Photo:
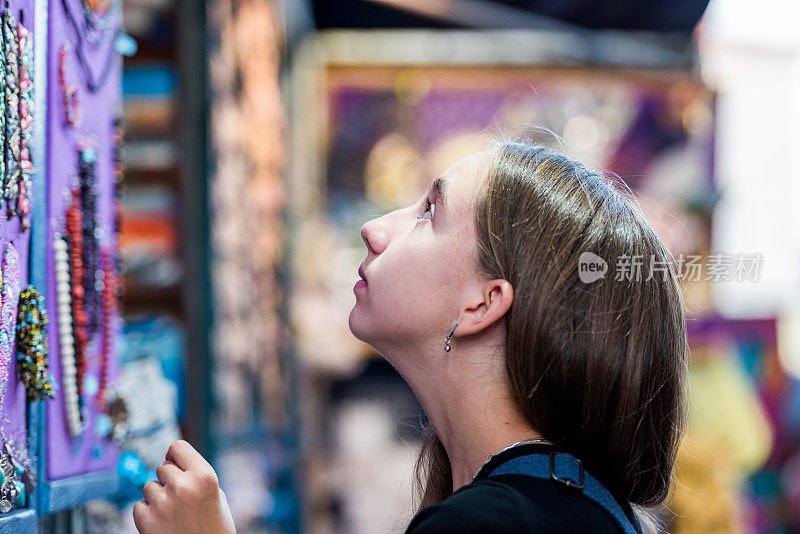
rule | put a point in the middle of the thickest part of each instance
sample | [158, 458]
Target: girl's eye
[428, 213]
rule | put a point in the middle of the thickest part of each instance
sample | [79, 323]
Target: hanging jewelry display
[69, 370]
[109, 309]
[17, 479]
[12, 131]
[87, 158]
[9, 293]
[69, 91]
[26, 110]
[74, 224]
[32, 346]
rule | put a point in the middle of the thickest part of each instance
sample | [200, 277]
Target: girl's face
[420, 261]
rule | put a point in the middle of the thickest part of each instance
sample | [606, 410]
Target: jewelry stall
[60, 271]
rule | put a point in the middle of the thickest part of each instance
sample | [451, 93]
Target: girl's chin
[353, 323]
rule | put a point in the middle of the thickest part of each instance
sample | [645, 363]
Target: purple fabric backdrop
[13, 415]
[68, 456]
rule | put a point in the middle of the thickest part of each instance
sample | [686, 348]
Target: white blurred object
[377, 467]
[152, 403]
[750, 54]
[242, 479]
[789, 340]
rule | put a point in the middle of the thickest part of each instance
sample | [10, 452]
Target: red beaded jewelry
[80, 319]
[109, 309]
[72, 110]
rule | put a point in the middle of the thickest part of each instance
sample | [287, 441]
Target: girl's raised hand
[187, 497]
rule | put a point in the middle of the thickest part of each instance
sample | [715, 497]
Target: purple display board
[13, 416]
[97, 80]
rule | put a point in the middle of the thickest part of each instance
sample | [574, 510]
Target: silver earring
[447, 339]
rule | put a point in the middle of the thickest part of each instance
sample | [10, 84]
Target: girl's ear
[493, 303]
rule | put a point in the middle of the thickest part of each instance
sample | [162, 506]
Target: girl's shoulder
[516, 504]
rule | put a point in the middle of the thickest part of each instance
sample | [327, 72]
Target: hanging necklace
[93, 82]
[523, 442]
[99, 16]
[3, 82]
[109, 302]
[118, 138]
[8, 314]
[12, 126]
[69, 91]
[66, 336]
[6, 349]
[74, 225]
[87, 158]
[26, 108]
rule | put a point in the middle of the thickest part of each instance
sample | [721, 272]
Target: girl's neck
[471, 411]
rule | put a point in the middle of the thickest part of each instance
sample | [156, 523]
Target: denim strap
[567, 471]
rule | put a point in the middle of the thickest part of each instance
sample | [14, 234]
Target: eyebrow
[437, 186]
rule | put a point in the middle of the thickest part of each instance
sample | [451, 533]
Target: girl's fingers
[141, 516]
[187, 458]
[152, 491]
[167, 471]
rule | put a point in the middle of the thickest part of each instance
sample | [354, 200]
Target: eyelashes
[429, 207]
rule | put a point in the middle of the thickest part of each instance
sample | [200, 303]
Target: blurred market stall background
[261, 134]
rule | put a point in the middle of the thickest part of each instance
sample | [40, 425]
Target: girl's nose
[375, 236]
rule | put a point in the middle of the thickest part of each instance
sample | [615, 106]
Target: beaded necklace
[12, 126]
[87, 158]
[109, 308]
[26, 109]
[66, 337]
[5, 356]
[94, 82]
[99, 15]
[8, 314]
[118, 138]
[3, 72]
[72, 110]
[74, 224]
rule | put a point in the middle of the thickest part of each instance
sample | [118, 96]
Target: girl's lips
[361, 273]
[359, 284]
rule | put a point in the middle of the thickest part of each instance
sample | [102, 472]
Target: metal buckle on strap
[570, 484]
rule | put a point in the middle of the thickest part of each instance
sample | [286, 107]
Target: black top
[516, 504]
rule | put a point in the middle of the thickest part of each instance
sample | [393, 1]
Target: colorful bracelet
[32, 345]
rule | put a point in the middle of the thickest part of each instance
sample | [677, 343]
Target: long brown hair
[597, 368]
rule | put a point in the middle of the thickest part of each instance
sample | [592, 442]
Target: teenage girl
[553, 386]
